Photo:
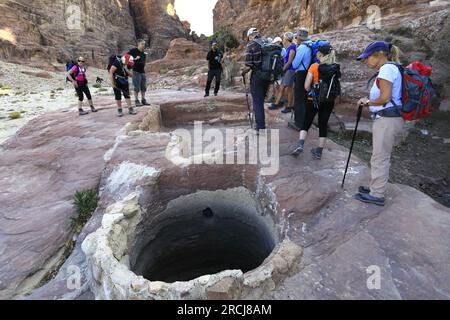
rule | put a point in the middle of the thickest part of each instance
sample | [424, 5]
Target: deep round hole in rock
[202, 234]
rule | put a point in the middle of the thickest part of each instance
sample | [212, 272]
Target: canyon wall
[157, 21]
[274, 16]
[32, 31]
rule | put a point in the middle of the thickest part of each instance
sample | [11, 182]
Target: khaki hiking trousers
[387, 133]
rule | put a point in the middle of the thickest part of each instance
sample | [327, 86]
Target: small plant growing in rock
[15, 115]
[163, 71]
[60, 89]
[97, 85]
[85, 203]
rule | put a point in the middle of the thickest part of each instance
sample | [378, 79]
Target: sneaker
[137, 103]
[364, 190]
[274, 106]
[82, 112]
[316, 153]
[367, 198]
[299, 150]
[93, 109]
[132, 112]
[286, 110]
[120, 114]
[145, 103]
[206, 96]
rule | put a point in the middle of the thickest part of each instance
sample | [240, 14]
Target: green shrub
[15, 115]
[225, 37]
[85, 203]
[163, 70]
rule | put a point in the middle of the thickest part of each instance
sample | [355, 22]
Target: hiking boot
[286, 110]
[137, 103]
[364, 190]
[145, 103]
[132, 112]
[274, 106]
[206, 95]
[82, 112]
[299, 150]
[215, 94]
[367, 198]
[93, 109]
[317, 153]
[120, 113]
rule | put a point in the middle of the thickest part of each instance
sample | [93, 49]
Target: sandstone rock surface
[341, 237]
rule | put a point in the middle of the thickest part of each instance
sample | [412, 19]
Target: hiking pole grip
[358, 119]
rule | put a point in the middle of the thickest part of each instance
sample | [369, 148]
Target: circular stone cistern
[206, 245]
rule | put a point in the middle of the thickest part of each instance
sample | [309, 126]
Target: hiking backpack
[314, 46]
[329, 86]
[417, 91]
[272, 61]
[112, 59]
[69, 65]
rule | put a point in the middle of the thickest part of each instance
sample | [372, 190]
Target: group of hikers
[120, 68]
[310, 78]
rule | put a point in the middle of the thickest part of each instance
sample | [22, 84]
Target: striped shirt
[253, 55]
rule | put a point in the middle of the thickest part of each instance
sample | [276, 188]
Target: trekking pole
[358, 119]
[250, 113]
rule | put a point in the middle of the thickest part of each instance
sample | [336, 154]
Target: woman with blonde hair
[77, 75]
[385, 103]
[327, 70]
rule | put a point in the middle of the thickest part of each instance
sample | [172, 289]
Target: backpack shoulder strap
[371, 79]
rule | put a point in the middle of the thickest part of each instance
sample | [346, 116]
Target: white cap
[277, 39]
[251, 31]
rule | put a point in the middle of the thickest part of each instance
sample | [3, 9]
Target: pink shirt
[81, 76]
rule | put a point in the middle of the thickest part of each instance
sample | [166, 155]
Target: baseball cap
[374, 47]
[325, 49]
[277, 39]
[251, 31]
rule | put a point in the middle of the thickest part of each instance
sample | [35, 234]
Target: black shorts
[122, 89]
[81, 90]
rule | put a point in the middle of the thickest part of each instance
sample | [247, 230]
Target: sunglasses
[81, 61]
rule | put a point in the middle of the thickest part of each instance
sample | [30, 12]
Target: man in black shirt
[214, 58]
[139, 77]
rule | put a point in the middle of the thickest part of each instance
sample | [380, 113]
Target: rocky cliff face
[54, 31]
[275, 16]
[157, 21]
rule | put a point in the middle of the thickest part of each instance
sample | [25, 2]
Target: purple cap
[374, 47]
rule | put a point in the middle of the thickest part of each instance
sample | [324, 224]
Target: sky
[198, 13]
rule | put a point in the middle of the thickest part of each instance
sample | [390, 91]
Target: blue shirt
[303, 55]
[288, 52]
